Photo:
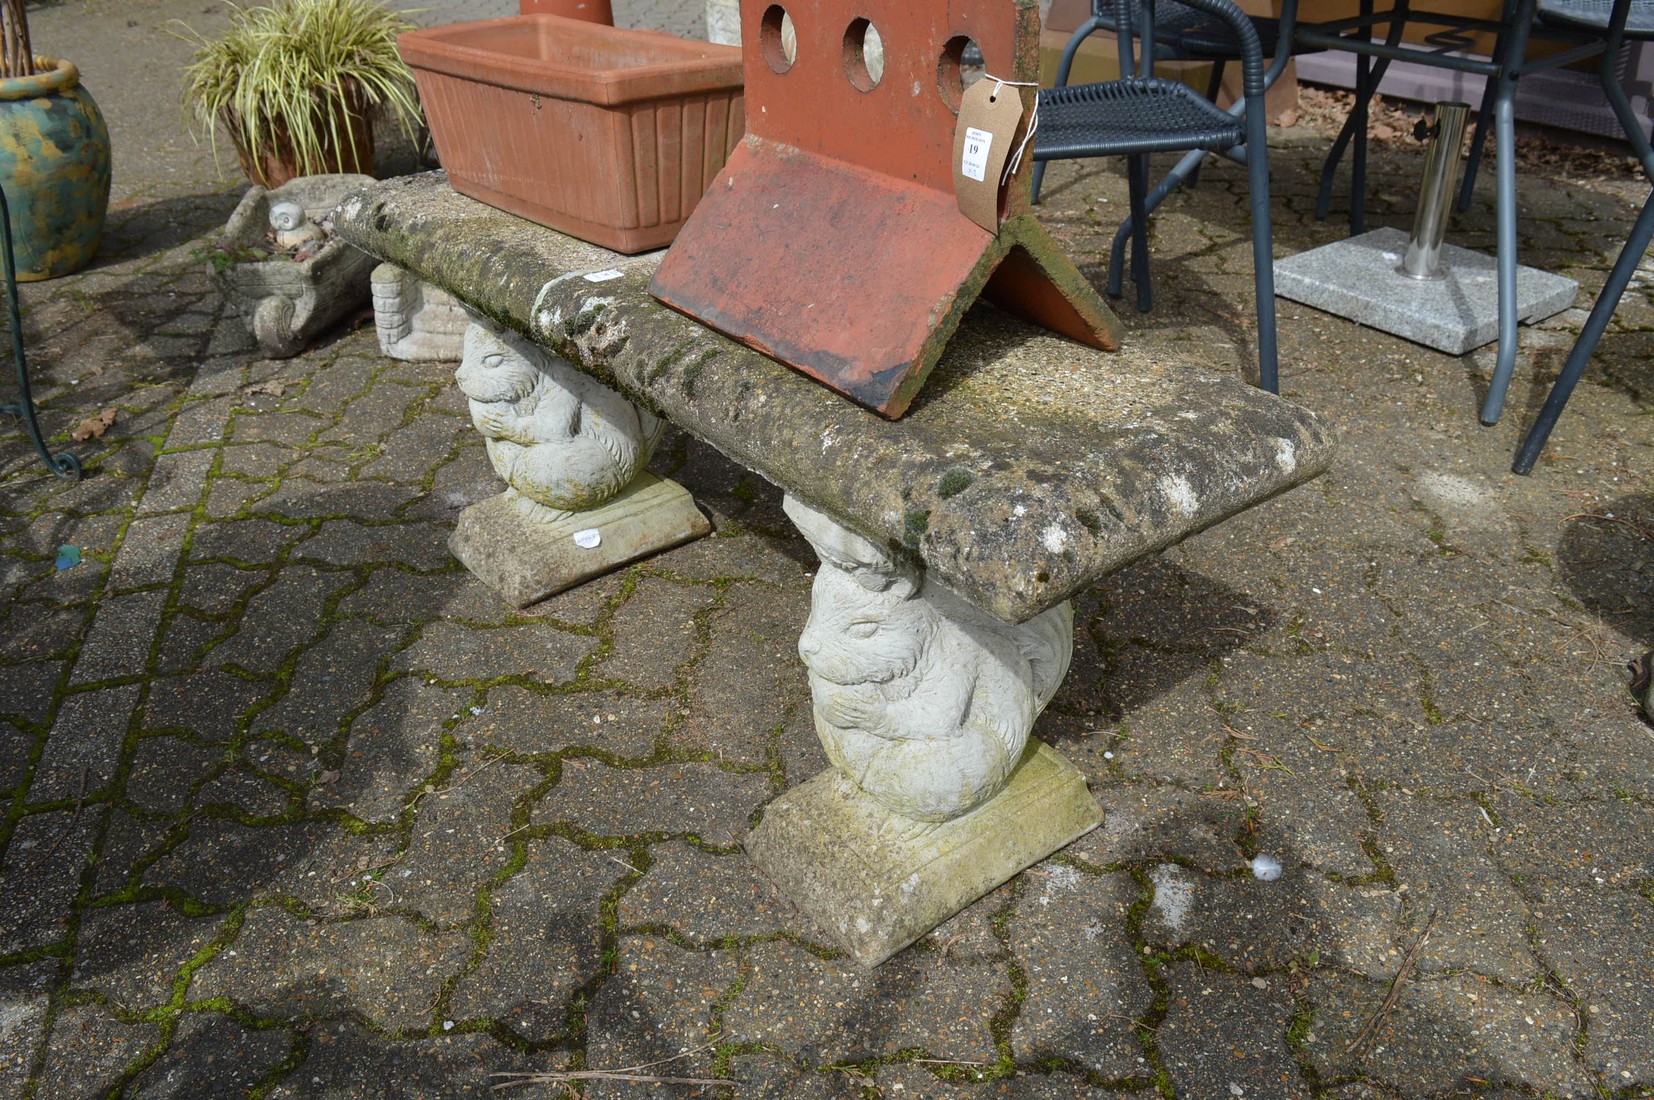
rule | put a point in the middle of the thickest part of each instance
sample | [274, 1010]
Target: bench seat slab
[1027, 469]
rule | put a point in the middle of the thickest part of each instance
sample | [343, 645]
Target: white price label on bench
[603, 276]
[973, 161]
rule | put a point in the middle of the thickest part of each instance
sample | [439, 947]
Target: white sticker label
[973, 161]
[588, 539]
[603, 276]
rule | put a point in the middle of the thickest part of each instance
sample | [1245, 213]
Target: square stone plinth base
[526, 552]
[875, 882]
[1359, 278]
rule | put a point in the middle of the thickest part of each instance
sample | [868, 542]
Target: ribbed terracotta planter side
[692, 135]
[598, 154]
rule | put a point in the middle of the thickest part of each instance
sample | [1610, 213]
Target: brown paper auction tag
[989, 115]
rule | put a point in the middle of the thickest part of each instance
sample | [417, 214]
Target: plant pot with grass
[54, 156]
[295, 86]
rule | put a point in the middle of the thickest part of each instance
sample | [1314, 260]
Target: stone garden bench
[951, 540]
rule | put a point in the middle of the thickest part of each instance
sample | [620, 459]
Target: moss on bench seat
[1027, 469]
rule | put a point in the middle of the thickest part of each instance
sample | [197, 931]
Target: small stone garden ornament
[291, 228]
[282, 269]
[415, 320]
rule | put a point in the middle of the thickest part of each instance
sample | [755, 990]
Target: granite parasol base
[1458, 311]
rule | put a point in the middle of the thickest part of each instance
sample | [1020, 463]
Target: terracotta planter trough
[610, 135]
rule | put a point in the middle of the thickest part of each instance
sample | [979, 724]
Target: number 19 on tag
[973, 160]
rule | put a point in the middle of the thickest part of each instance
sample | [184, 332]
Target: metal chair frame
[63, 464]
[1184, 33]
[1354, 35]
[1551, 15]
[1636, 242]
[1239, 133]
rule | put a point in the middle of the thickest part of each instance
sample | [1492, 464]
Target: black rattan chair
[1183, 33]
[1141, 114]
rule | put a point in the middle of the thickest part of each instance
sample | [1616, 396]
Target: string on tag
[1015, 162]
[1016, 158]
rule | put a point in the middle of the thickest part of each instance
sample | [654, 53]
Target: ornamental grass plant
[295, 82]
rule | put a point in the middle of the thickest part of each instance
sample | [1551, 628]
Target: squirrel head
[838, 547]
[860, 636]
[493, 370]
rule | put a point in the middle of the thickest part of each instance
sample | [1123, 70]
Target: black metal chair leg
[1597, 323]
[1182, 173]
[1484, 117]
[1504, 136]
[1478, 140]
[1137, 177]
[63, 464]
[1365, 85]
[1263, 258]
[1215, 84]
[1214, 88]
[1504, 147]
[1368, 79]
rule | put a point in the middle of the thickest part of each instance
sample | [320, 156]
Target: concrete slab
[1360, 278]
[526, 551]
[875, 882]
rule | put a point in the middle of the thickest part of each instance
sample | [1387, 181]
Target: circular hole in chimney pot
[863, 55]
[958, 68]
[777, 40]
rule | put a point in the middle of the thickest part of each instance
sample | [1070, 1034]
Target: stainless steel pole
[1442, 163]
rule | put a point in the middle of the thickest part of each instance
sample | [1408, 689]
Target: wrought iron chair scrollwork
[63, 464]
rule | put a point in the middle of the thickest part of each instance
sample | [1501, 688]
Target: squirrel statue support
[556, 436]
[922, 700]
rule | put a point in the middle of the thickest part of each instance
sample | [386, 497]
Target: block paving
[291, 806]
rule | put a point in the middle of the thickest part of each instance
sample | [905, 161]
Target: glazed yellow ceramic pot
[54, 167]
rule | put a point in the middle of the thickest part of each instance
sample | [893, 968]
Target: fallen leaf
[93, 427]
[274, 387]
